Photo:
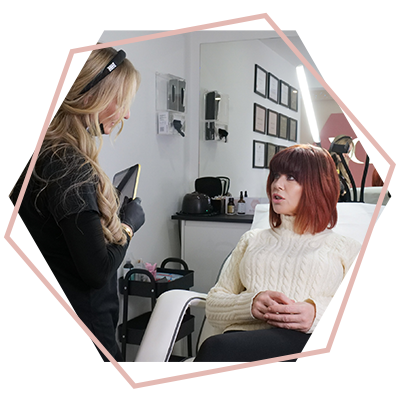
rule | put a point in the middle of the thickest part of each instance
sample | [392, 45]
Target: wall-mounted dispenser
[170, 103]
[216, 116]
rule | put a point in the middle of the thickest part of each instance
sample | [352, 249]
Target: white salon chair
[162, 330]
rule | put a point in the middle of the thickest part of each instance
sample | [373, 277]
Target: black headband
[117, 60]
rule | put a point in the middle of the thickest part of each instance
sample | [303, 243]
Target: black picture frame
[284, 96]
[260, 81]
[270, 152]
[36, 58]
[273, 88]
[259, 154]
[292, 130]
[279, 148]
[272, 123]
[21, 109]
[283, 126]
[293, 99]
[259, 118]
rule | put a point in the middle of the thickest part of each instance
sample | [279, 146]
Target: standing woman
[279, 281]
[70, 206]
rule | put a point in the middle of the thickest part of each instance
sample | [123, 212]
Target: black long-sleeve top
[68, 232]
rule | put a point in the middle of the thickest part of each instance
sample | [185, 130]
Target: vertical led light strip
[305, 92]
[371, 86]
[371, 90]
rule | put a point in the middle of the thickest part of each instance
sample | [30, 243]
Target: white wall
[229, 68]
[165, 176]
[170, 164]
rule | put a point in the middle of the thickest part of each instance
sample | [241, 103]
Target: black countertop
[245, 219]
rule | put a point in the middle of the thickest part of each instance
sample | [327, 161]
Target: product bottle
[241, 205]
[245, 193]
[231, 207]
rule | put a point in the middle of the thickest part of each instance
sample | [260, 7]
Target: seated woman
[279, 281]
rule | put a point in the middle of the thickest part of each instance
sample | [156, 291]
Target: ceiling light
[305, 92]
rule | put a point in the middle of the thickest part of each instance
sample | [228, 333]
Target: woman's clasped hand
[278, 310]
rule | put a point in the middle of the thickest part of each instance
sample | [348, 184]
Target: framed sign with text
[259, 118]
[37, 54]
[272, 123]
[284, 94]
[259, 149]
[260, 81]
[283, 126]
[293, 103]
[271, 151]
[273, 88]
[292, 130]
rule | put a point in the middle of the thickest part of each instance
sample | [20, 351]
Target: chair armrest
[163, 327]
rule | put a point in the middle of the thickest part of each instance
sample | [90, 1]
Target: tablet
[126, 182]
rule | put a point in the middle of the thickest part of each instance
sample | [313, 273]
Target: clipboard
[126, 182]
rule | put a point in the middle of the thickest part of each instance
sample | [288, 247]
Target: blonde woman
[70, 206]
[345, 182]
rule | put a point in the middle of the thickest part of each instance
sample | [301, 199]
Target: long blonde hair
[342, 139]
[76, 127]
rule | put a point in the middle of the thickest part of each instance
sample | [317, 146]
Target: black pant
[246, 346]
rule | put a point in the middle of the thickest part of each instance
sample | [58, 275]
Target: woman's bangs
[288, 162]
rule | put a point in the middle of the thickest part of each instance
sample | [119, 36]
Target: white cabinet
[205, 245]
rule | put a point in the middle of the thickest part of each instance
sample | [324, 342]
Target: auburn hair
[314, 169]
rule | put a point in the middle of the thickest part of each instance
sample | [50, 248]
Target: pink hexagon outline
[265, 16]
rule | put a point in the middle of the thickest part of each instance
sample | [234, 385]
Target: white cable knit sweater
[300, 266]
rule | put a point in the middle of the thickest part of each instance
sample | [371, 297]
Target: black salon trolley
[132, 331]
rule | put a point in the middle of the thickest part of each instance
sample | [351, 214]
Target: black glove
[131, 213]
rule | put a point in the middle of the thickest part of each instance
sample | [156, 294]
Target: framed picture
[284, 94]
[271, 151]
[259, 118]
[292, 130]
[279, 148]
[21, 109]
[259, 154]
[293, 102]
[272, 123]
[273, 87]
[37, 54]
[283, 126]
[260, 81]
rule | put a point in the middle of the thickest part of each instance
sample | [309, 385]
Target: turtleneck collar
[288, 222]
[288, 225]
